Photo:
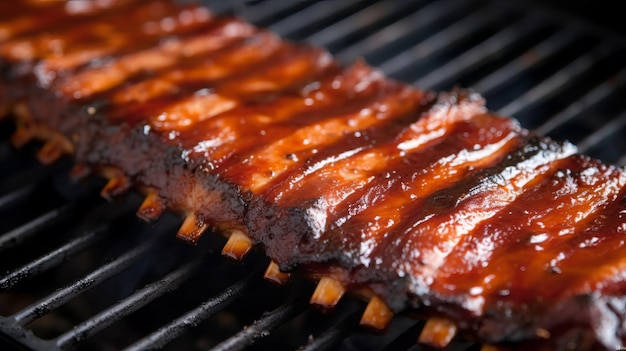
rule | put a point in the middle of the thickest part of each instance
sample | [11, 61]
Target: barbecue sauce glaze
[425, 199]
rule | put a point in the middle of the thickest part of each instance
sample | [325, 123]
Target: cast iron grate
[80, 273]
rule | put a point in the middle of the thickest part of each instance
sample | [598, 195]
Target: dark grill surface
[77, 272]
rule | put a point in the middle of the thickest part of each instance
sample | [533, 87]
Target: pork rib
[421, 201]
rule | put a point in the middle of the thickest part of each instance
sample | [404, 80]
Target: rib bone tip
[377, 315]
[50, 153]
[275, 275]
[151, 208]
[21, 137]
[238, 245]
[192, 229]
[438, 332]
[79, 171]
[542, 333]
[114, 187]
[327, 293]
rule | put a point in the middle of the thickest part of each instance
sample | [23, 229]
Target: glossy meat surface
[425, 199]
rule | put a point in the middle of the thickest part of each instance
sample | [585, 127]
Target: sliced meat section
[418, 201]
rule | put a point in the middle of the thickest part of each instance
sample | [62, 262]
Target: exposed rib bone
[327, 293]
[377, 315]
[438, 332]
[192, 229]
[542, 333]
[275, 275]
[21, 137]
[238, 245]
[25, 131]
[118, 182]
[50, 152]
[115, 186]
[79, 171]
[152, 207]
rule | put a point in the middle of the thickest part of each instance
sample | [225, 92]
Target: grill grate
[104, 280]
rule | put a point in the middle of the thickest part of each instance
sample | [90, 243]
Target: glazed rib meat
[418, 201]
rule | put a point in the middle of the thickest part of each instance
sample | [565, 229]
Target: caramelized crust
[30, 16]
[425, 201]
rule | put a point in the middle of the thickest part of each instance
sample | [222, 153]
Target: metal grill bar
[591, 98]
[424, 29]
[263, 326]
[564, 18]
[328, 35]
[61, 296]
[533, 57]
[480, 54]
[21, 233]
[613, 127]
[125, 307]
[169, 332]
[51, 259]
[220, 6]
[414, 22]
[557, 82]
[406, 338]
[264, 11]
[16, 196]
[316, 12]
[333, 335]
[439, 41]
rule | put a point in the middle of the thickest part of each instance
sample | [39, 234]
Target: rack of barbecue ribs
[417, 201]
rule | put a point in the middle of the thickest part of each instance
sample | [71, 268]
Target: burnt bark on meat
[423, 201]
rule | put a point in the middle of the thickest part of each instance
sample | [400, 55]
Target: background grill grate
[77, 272]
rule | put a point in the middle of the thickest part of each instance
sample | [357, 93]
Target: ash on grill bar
[311, 175]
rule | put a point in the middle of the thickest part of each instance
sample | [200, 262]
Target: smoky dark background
[605, 14]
